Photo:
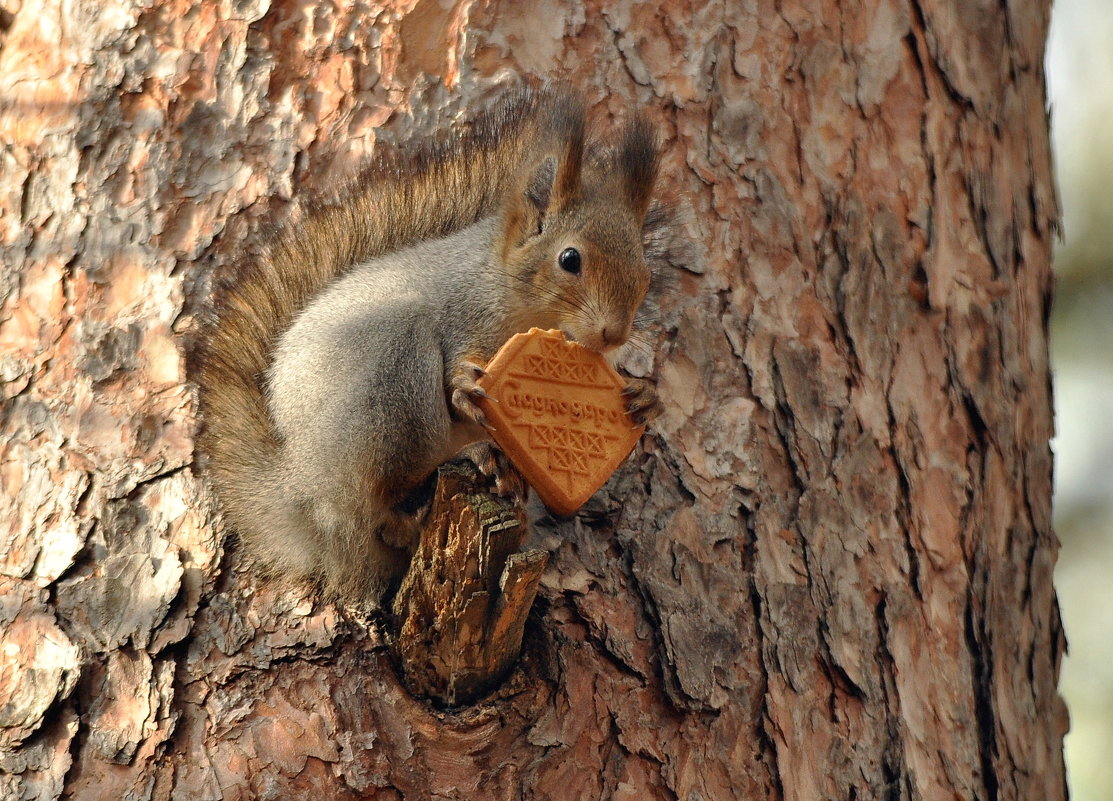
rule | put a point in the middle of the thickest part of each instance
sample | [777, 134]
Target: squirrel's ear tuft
[638, 162]
[570, 124]
[539, 190]
[555, 183]
[528, 205]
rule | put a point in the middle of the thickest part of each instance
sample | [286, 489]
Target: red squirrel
[339, 370]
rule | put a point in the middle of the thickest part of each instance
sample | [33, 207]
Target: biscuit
[557, 411]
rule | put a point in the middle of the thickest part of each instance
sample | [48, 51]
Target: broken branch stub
[462, 606]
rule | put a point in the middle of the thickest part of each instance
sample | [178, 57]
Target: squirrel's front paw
[642, 403]
[465, 393]
[492, 462]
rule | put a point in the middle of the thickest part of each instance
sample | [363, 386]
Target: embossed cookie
[557, 412]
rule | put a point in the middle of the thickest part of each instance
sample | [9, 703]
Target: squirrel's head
[573, 244]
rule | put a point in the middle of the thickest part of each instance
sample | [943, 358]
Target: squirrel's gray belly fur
[357, 392]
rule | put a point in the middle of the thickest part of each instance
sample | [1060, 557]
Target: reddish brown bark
[826, 573]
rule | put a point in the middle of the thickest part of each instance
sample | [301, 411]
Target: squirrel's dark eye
[569, 260]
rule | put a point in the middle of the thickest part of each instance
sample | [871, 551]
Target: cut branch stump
[462, 607]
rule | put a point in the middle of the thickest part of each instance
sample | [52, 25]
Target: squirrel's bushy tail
[430, 189]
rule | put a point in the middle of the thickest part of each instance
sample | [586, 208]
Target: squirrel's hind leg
[362, 561]
[404, 520]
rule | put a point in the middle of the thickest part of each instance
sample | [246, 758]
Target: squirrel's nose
[613, 335]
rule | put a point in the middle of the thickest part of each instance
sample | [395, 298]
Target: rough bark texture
[826, 573]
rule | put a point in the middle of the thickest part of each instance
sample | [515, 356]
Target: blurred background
[1080, 74]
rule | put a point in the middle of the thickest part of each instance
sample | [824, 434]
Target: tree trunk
[825, 573]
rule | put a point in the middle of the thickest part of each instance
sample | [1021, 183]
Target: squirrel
[339, 370]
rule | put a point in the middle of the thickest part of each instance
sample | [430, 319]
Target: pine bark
[825, 573]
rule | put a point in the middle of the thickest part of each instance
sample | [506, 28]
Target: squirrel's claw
[465, 407]
[642, 402]
[465, 393]
[492, 462]
[485, 455]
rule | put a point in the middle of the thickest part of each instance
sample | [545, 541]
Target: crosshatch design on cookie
[569, 452]
[558, 413]
[558, 361]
